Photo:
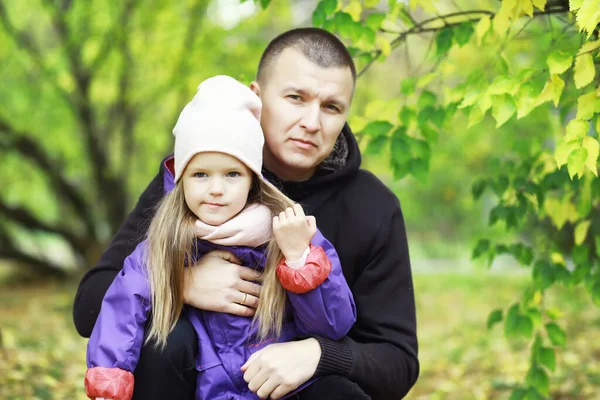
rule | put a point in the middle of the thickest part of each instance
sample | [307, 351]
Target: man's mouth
[304, 144]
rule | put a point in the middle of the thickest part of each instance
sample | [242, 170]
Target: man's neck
[286, 174]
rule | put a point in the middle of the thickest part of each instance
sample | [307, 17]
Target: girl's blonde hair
[171, 245]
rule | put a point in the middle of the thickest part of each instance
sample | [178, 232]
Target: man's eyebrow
[332, 100]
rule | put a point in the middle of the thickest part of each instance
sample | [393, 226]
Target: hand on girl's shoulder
[293, 231]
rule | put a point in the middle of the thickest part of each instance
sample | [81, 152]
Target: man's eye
[331, 107]
[294, 97]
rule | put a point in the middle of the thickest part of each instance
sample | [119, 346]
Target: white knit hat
[223, 116]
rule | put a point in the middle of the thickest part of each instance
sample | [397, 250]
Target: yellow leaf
[581, 231]
[574, 5]
[483, 26]
[475, 116]
[527, 7]
[426, 79]
[588, 16]
[563, 150]
[552, 90]
[560, 211]
[385, 45]
[537, 297]
[557, 258]
[541, 4]
[576, 129]
[501, 23]
[587, 105]
[584, 70]
[589, 47]
[593, 148]
[354, 9]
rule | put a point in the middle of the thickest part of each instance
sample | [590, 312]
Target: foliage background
[464, 108]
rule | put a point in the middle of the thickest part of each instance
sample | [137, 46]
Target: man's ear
[255, 87]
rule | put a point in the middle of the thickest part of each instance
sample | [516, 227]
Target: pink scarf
[251, 227]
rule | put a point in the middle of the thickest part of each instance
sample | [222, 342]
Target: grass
[42, 357]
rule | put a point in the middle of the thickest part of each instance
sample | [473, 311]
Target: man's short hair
[318, 46]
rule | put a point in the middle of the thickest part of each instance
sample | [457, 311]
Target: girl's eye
[200, 175]
[233, 174]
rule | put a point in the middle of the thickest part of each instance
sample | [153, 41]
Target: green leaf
[518, 394]
[400, 148]
[475, 116]
[576, 162]
[477, 188]
[547, 358]
[376, 145]
[429, 133]
[556, 334]
[426, 79]
[512, 320]
[264, 4]
[482, 247]
[581, 231]
[504, 84]
[593, 148]
[538, 378]
[504, 107]
[559, 62]
[443, 41]
[371, 3]
[319, 16]
[418, 168]
[374, 20]
[463, 33]
[377, 128]
[596, 293]
[587, 105]
[543, 274]
[524, 326]
[369, 37]
[329, 6]
[427, 98]
[407, 86]
[584, 70]
[406, 115]
[494, 317]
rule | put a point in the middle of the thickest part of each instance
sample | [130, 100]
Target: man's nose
[311, 120]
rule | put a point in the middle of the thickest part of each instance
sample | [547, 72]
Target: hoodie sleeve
[114, 346]
[383, 359]
[324, 304]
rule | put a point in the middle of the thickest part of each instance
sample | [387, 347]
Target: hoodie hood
[326, 180]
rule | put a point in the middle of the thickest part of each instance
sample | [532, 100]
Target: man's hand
[280, 368]
[219, 283]
[293, 231]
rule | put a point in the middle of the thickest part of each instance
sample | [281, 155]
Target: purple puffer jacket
[225, 341]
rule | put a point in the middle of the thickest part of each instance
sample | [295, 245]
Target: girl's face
[216, 186]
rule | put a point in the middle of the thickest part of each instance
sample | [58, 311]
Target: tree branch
[21, 142]
[26, 42]
[8, 251]
[23, 217]
[421, 27]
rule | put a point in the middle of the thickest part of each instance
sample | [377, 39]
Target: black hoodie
[362, 218]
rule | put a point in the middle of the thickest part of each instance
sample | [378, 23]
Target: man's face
[216, 186]
[304, 108]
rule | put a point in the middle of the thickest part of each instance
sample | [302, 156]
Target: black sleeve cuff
[336, 357]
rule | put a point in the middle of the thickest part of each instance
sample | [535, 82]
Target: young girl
[218, 199]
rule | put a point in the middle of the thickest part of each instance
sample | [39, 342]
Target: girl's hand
[293, 231]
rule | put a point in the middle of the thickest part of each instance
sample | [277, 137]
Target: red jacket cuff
[310, 276]
[110, 383]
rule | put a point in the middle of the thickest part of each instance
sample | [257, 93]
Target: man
[306, 81]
